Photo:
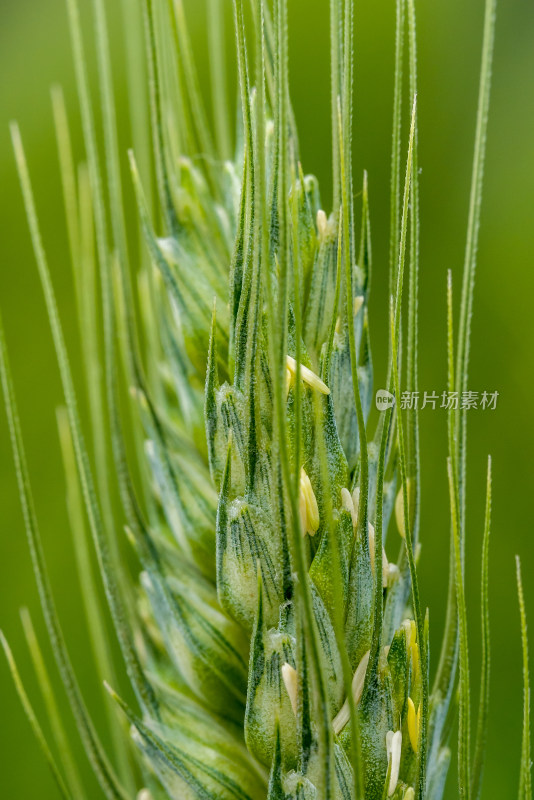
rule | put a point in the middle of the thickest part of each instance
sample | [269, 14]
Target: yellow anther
[412, 645]
[414, 722]
[309, 377]
[409, 794]
[416, 664]
[358, 303]
[358, 681]
[308, 508]
[289, 676]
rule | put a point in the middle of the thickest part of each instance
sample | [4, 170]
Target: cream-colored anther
[394, 750]
[289, 676]
[358, 681]
[309, 377]
[308, 508]
[322, 223]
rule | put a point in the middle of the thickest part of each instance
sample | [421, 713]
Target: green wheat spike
[276, 646]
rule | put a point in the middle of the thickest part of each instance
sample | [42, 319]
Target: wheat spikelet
[275, 637]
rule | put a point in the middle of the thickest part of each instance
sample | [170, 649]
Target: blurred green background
[35, 53]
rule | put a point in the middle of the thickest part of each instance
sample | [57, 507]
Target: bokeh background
[35, 53]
